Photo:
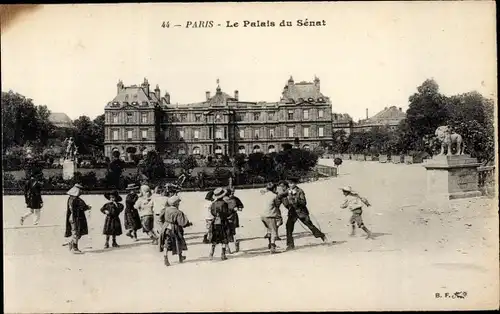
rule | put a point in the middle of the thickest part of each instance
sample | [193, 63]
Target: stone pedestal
[452, 177]
[69, 167]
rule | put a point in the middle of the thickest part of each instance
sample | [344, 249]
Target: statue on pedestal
[448, 138]
[70, 149]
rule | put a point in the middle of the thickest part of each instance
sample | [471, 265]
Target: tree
[427, 111]
[23, 121]
[340, 141]
[471, 115]
[189, 162]
[153, 167]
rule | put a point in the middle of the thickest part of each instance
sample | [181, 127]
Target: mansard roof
[304, 91]
[60, 119]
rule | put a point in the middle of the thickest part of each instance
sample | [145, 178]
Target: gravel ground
[418, 251]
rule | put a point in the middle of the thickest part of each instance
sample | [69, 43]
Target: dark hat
[115, 193]
[294, 180]
[132, 186]
[210, 195]
[219, 193]
[270, 186]
[283, 182]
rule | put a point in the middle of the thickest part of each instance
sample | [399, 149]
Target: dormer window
[135, 103]
[116, 104]
[321, 99]
[144, 103]
[126, 97]
[301, 99]
[310, 99]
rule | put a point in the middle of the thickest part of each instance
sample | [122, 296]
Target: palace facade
[139, 118]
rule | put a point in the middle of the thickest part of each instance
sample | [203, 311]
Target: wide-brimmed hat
[132, 186]
[347, 189]
[219, 193]
[115, 193]
[76, 190]
[174, 200]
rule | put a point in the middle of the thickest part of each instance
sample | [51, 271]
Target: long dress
[76, 208]
[173, 231]
[33, 194]
[233, 203]
[132, 218]
[220, 227]
[112, 223]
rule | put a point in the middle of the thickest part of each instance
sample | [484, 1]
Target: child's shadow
[262, 251]
[122, 247]
[379, 234]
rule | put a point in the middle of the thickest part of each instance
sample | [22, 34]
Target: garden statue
[70, 149]
[447, 137]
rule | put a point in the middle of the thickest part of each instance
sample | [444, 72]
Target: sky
[368, 56]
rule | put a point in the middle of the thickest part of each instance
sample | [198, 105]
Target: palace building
[139, 118]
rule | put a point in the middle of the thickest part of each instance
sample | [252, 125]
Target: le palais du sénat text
[246, 24]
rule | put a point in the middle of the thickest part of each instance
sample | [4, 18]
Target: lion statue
[447, 137]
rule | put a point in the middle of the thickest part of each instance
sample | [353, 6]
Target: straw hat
[219, 193]
[132, 186]
[347, 189]
[76, 190]
[174, 200]
[115, 193]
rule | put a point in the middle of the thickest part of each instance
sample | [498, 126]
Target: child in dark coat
[172, 233]
[112, 223]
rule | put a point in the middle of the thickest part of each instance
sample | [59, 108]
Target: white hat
[219, 193]
[347, 189]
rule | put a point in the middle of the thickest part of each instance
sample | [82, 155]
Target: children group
[159, 216]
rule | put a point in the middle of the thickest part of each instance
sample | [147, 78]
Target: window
[320, 113]
[256, 133]
[256, 116]
[144, 117]
[270, 116]
[256, 149]
[129, 134]
[242, 133]
[197, 134]
[210, 134]
[144, 134]
[130, 117]
[115, 135]
[218, 150]
[225, 132]
[306, 114]
[271, 149]
[271, 133]
[218, 118]
[306, 131]
[115, 117]
[218, 134]
[240, 116]
[196, 150]
[181, 134]
[197, 118]
[290, 114]
[241, 150]
[183, 117]
[321, 131]
[166, 134]
[290, 132]
[182, 151]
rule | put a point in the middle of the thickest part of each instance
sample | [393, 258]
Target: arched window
[256, 149]
[306, 147]
[218, 150]
[242, 150]
[196, 150]
[271, 149]
[182, 151]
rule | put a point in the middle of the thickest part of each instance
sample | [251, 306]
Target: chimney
[167, 98]
[367, 113]
[207, 94]
[236, 95]
[145, 85]
[119, 87]
[400, 109]
[157, 92]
